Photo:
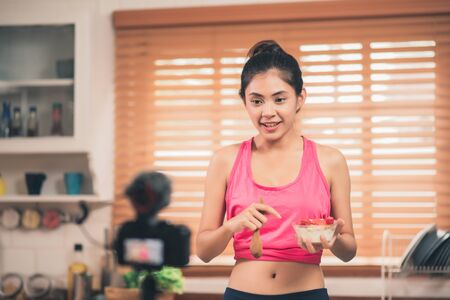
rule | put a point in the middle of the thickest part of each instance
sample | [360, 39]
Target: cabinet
[36, 58]
[44, 63]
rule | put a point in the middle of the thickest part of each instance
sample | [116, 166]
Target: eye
[280, 100]
[256, 101]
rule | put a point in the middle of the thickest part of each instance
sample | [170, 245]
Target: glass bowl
[313, 228]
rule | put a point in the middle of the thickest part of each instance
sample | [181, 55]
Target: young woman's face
[272, 104]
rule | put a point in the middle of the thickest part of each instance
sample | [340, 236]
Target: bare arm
[213, 237]
[344, 246]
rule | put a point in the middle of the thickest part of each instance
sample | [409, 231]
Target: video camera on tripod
[147, 243]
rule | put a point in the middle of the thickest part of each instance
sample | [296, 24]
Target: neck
[289, 141]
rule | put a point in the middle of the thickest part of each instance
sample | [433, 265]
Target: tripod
[148, 288]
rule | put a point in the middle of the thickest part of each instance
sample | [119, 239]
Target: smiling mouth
[270, 124]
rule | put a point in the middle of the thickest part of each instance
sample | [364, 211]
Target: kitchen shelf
[17, 84]
[9, 199]
[41, 145]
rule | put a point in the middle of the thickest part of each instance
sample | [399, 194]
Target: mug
[34, 182]
[73, 182]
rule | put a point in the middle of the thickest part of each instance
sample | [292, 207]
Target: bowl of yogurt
[313, 228]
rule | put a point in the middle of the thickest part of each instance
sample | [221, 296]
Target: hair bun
[265, 46]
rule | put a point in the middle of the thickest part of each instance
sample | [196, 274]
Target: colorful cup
[34, 182]
[73, 182]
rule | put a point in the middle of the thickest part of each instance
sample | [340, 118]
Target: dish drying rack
[391, 265]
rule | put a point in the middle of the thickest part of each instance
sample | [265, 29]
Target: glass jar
[32, 124]
[57, 119]
[16, 123]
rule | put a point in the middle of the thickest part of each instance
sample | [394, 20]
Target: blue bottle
[5, 122]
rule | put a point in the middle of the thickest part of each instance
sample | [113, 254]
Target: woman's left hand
[324, 244]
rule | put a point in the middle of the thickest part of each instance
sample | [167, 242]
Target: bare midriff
[275, 277]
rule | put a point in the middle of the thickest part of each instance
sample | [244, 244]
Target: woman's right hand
[253, 218]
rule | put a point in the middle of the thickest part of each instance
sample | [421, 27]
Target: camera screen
[144, 251]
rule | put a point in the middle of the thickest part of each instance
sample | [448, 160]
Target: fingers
[331, 243]
[267, 208]
[257, 223]
[254, 217]
[257, 214]
[314, 247]
[339, 225]
[250, 225]
[302, 244]
[307, 245]
[325, 243]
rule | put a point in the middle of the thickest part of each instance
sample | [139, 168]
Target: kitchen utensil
[11, 284]
[53, 218]
[10, 218]
[38, 286]
[256, 243]
[82, 286]
[31, 219]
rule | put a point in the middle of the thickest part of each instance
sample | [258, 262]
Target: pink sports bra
[308, 196]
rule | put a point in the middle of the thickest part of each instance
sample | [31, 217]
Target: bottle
[57, 119]
[5, 122]
[16, 123]
[76, 267]
[32, 124]
[2, 186]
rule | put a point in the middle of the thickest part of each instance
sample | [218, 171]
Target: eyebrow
[274, 94]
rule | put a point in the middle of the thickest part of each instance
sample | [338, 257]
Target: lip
[270, 129]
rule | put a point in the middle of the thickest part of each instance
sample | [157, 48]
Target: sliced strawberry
[318, 221]
[305, 222]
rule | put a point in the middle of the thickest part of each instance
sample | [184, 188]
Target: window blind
[378, 90]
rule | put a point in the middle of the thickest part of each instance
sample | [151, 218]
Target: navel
[274, 275]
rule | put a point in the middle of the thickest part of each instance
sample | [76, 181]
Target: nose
[268, 110]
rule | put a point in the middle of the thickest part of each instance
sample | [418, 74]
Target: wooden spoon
[256, 243]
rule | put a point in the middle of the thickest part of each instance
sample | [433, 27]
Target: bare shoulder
[330, 156]
[224, 157]
[332, 162]
[226, 153]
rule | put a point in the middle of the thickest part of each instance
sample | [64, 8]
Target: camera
[147, 243]
[150, 246]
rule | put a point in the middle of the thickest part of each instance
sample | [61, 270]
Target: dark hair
[150, 190]
[266, 55]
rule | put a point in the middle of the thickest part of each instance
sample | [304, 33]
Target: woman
[295, 178]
